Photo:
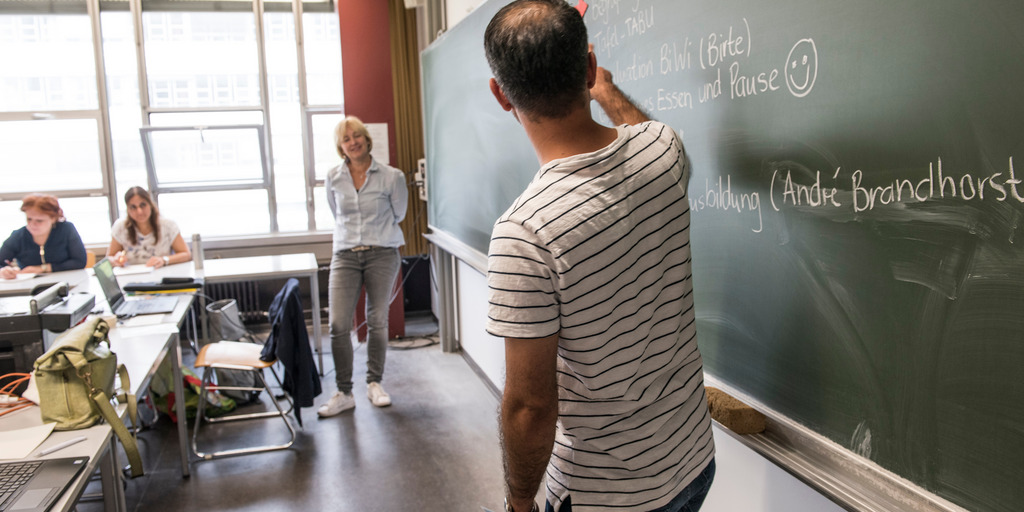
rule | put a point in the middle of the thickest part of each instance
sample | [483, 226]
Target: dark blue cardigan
[64, 248]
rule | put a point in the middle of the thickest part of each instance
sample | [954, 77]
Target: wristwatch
[508, 506]
[167, 260]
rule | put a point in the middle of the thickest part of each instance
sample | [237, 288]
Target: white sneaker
[338, 403]
[377, 395]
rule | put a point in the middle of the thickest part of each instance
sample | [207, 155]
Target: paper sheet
[142, 320]
[132, 269]
[381, 149]
[23, 277]
[18, 444]
[125, 330]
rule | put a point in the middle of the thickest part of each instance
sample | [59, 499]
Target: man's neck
[572, 135]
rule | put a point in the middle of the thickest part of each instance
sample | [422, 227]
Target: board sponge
[733, 414]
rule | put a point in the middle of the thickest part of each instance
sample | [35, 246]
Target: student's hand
[32, 269]
[155, 262]
[119, 259]
[9, 272]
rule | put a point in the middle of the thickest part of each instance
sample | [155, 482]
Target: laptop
[123, 307]
[35, 485]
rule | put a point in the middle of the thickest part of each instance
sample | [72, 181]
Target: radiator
[246, 295]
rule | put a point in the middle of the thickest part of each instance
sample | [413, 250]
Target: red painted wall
[366, 63]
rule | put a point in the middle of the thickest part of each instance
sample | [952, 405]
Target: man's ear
[591, 68]
[500, 96]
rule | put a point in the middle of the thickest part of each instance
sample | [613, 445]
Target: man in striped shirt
[590, 285]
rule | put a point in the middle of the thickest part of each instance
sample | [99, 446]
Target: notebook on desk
[34, 485]
[123, 307]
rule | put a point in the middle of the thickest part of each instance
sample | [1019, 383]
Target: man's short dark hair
[537, 50]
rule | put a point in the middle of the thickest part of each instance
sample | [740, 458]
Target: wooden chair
[235, 355]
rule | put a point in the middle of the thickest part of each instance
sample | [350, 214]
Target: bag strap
[101, 332]
[128, 440]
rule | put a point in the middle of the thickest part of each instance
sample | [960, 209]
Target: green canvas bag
[75, 379]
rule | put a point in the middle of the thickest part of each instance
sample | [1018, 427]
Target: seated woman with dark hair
[144, 237]
[47, 243]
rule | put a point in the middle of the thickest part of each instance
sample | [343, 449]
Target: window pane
[325, 153]
[123, 102]
[91, 217]
[47, 62]
[201, 59]
[289, 174]
[207, 157]
[88, 214]
[323, 58]
[206, 118]
[286, 122]
[50, 155]
[225, 213]
[11, 218]
[324, 218]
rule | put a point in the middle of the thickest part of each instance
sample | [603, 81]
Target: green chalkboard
[857, 242]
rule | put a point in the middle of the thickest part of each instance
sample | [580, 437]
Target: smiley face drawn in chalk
[802, 67]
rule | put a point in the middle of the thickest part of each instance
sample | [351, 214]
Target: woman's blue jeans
[377, 269]
[689, 500]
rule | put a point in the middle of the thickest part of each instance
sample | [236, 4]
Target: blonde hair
[358, 126]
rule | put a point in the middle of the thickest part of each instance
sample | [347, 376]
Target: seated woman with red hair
[47, 243]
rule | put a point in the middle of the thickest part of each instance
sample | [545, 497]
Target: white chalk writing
[636, 70]
[997, 186]
[722, 198]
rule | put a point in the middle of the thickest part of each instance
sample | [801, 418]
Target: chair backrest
[90, 259]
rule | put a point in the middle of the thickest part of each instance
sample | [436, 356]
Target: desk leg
[314, 291]
[110, 479]
[202, 320]
[179, 405]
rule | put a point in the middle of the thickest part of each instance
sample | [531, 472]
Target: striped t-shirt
[597, 249]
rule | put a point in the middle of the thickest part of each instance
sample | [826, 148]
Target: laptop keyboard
[12, 476]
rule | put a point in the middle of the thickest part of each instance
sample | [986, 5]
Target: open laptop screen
[105, 275]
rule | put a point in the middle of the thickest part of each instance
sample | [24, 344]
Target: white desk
[12, 287]
[160, 340]
[98, 446]
[141, 350]
[229, 270]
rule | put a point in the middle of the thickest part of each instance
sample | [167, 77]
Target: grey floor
[435, 449]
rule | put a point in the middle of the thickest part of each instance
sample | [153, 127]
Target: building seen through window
[229, 118]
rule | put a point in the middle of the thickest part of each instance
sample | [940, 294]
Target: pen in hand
[61, 446]
[10, 271]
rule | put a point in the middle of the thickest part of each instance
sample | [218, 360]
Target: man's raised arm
[614, 102]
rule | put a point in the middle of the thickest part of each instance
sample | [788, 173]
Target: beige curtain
[405, 72]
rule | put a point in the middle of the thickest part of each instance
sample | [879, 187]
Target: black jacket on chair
[289, 344]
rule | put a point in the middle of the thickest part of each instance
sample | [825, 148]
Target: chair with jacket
[288, 344]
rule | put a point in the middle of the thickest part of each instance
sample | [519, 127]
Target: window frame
[101, 114]
[108, 175]
[266, 183]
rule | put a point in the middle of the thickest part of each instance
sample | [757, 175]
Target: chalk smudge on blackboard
[861, 440]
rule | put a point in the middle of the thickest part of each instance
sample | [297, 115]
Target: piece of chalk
[733, 414]
[582, 7]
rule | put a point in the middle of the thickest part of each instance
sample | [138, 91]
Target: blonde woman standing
[368, 200]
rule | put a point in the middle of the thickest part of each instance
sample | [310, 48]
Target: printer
[29, 324]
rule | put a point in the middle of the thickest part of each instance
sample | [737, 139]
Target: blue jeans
[689, 500]
[377, 269]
